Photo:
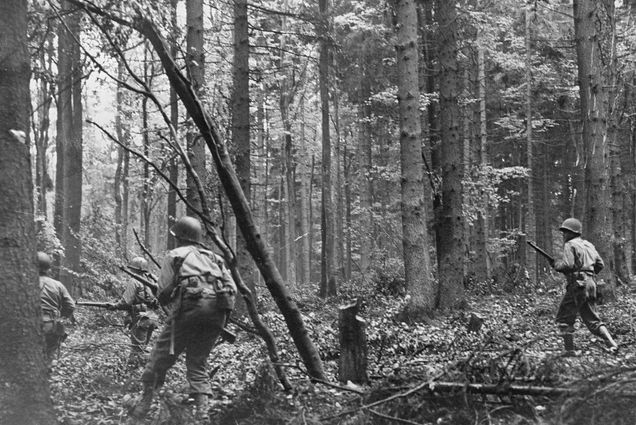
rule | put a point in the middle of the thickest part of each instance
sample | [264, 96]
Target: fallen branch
[144, 249]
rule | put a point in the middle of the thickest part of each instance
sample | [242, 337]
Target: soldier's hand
[111, 306]
[551, 262]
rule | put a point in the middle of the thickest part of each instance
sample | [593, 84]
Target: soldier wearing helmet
[580, 262]
[199, 289]
[56, 303]
[139, 302]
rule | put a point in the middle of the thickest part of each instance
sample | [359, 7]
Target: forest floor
[410, 368]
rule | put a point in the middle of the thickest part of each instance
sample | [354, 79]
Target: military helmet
[573, 225]
[188, 229]
[139, 264]
[44, 261]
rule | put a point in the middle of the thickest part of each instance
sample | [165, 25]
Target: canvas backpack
[204, 293]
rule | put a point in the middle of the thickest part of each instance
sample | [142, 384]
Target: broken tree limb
[144, 249]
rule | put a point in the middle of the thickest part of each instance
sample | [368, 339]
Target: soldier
[56, 303]
[139, 301]
[200, 291]
[580, 263]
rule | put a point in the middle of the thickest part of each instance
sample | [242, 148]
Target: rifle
[93, 304]
[151, 285]
[101, 304]
[542, 252]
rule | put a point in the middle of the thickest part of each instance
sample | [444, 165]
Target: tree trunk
[41, 128]
[146, 188]
[417, 266]
[328, 281]
[450, 213]
[352, 363]
[174, 119]
[241, 129]
[120, 184]
[482, 266]
[195, 61]
[591, 24]
[24, 393]
[304, 190]
[68, 206]
[529, 218]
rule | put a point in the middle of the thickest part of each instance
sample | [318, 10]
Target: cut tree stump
[352, 365]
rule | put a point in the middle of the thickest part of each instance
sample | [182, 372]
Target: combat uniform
[580, 263]
[191, 328]
[56, 303]
[142, 321]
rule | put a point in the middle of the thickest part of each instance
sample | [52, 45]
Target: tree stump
[352, 364]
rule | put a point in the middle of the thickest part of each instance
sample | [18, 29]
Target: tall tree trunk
[339, 216]
[591, 23]
[530, 218]
[68, 207]
[24, 393]
[41, 127]
[145, 196]
[417, 268]
[328, 280]
[365, 179]
[120, 184]
[241, 128]
[304, 171]
[450, 216]
[174, 119]
[195, 61]
[482, 260]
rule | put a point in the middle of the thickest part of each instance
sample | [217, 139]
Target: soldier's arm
[566, 263]
[598, 264]
[68, 305]
[166, 280]
[227, 275]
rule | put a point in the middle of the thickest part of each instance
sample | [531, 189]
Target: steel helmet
[573, 225]
[139, 264]
[187, 229]
[44, 261]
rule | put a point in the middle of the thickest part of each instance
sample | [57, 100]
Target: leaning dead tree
[256, 246]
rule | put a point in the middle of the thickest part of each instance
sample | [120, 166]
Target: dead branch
[144, 249]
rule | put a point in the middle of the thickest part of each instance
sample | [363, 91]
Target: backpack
[205, 293]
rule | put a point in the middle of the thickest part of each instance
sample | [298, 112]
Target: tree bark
[450, 212]
[24, 393]
[241, 129]
[417, 268]
[352, 363]
[529, 218]
[328, 279]
[174, 119]
[120, 184]
[592, 20]
[195, 62]
[68, 202]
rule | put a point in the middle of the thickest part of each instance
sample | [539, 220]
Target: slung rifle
[542, 252]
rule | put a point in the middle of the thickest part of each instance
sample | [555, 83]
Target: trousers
[195, 334]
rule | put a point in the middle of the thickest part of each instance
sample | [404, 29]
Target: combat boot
[142, 406]
[612, 347]
[201, 403]
[568, 344]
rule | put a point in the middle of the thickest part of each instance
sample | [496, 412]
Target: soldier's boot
[142, 406]
[609, 341]
[568, 344]
[202, 407]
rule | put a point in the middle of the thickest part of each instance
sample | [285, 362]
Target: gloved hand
[154, 304]
[112, 306]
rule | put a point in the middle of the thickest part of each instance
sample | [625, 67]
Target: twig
[143, 247]
[392, 418]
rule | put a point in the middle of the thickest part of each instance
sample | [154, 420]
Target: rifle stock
[92, 304]
[540, 251]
